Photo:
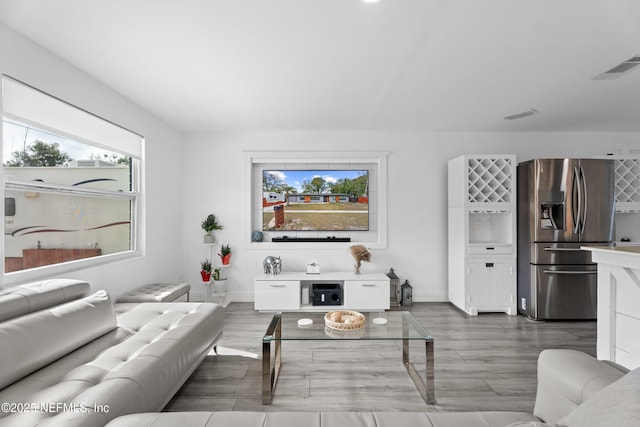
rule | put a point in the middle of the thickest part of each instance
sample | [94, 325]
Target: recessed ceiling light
[370, 1]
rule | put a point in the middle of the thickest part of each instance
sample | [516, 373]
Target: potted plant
[208, 225]
[218, 281]
[205, 271]
[225, 254]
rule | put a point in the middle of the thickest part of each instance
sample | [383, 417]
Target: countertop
[630, 249]
[620, 255]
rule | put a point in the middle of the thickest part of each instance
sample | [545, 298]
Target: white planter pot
[219, 286]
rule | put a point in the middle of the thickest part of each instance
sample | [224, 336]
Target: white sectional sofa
[574, 390]
[68, 358]
[72, 359]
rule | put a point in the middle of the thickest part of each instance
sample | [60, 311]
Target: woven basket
[347, 335]
[344, 320]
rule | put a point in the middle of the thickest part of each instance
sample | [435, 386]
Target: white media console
[292, 291]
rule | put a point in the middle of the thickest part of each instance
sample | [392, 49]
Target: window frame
[134, 195]
[257, 161]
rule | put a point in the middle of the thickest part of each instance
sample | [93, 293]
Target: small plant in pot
[225, 254]
[205, 271]
[208, 225]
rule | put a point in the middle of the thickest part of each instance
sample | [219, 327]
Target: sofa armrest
[566, 378]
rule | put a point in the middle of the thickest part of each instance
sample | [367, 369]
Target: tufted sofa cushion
[322, 419]
[138, 366]
[25, 299]
[34, 340]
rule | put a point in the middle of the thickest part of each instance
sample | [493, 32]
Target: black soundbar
[311, 239]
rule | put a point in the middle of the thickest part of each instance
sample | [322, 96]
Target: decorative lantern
[407, 293]
[394, 287]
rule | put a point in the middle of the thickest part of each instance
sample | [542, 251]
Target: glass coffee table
[382, 326]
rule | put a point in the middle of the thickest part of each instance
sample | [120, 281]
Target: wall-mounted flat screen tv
[315, 200]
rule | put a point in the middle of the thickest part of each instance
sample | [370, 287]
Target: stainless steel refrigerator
[562, 205]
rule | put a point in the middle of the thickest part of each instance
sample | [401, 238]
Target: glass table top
[399, 325]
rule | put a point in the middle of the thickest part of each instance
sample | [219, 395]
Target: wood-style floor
[486, 362]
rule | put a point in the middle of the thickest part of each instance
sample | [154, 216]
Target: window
[70, 181]
[9, 206]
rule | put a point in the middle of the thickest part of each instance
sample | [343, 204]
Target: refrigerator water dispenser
[552, 216]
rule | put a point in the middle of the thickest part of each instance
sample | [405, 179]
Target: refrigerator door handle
[550, 249]
[570, 272]
[575, 201]
[579, 225]
[583, 180]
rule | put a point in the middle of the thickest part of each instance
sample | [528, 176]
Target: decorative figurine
[276, 266]
[272, 265]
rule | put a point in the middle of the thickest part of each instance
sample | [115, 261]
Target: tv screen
[315, 200]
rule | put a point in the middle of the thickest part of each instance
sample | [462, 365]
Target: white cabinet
[280, 295]
[627, 171]
[366, 294]
[482, 233]
[627, 217]
[627, 182]
[490, 285]
[627, 198]
[290, 291]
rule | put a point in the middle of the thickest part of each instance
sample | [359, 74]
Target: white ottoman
[157, 292]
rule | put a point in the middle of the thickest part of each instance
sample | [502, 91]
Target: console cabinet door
[366, 295]
[491, 285]
[278, 295]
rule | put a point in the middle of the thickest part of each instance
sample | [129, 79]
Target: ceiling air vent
[529, 112]
[620, 69]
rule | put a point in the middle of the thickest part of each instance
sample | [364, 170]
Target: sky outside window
[17, 136]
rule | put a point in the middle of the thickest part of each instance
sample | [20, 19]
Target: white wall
[214, 181]
[26, 61]
[211, 179]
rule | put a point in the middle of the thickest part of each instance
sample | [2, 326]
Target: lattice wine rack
[627, 180]
[490, 180]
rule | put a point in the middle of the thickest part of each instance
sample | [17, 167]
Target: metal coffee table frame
[411, 330]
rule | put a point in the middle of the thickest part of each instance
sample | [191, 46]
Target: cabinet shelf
[489, 243]
[491, 227]
[490, 248]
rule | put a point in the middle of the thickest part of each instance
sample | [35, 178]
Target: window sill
[48, 271]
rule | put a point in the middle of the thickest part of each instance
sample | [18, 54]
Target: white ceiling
[398, 65]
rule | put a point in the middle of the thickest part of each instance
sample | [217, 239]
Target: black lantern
[394, 294]
[407, 293]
